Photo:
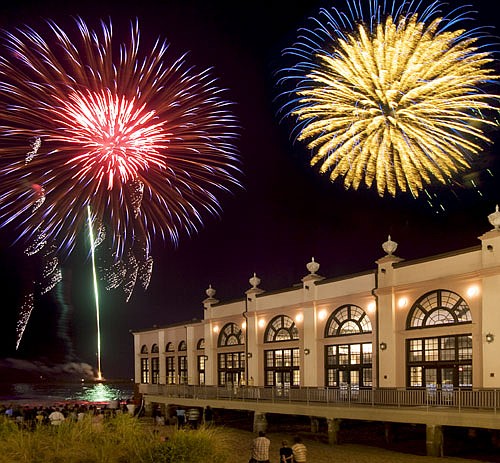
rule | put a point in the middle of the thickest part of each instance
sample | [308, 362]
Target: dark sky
[285, 214]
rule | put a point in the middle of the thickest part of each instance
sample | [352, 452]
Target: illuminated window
[281, 328]
[201, 344]
[169, 347]
[348, 365]
[347, 319]
[144, 349]
[231, 368]
[182, 346]
[438, 308]
[282, 368]
[230, 335]
[440, 360]
[155, 370]
[145, 370]
[170, 369]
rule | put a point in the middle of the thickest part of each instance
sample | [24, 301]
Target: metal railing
[478, 399]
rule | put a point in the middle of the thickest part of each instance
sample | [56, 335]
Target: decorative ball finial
[494, 218]
[389, 246]
[254, 281]
[312, 266]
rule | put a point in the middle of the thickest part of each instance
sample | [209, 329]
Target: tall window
[440, 307]
[282, 368]
[349, 364]
[230, 335]
[201, 369]
[347, 319]
[231, 368]
[155, 370]
[155, 364]
[440, 360]
[183, 369]
[230, 365]
[281, 328]
[170, 369]
[201, 359]
[145, 370]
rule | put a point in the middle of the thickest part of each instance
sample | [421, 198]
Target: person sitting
[260, 449]
[286, 453]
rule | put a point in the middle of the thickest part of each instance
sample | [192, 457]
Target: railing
[478, 399]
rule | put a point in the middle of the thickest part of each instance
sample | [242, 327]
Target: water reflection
[99, 392]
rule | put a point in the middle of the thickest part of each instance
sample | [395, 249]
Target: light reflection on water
[58, 392]
[99, 392]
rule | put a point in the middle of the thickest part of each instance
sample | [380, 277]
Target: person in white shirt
[56, 417]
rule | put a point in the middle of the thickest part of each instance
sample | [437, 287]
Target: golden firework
[398, 103]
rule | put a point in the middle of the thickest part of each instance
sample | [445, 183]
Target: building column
[333, 430]
[259, 422]
[389, 433]
[434, 440]
[314, 424]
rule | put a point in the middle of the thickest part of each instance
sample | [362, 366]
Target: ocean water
[51, 392]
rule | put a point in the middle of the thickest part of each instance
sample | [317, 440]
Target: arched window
[155, 349]
[440, 307]
[230, 335]
[169, 347]
[144, 349]
[281, 328]
[347, 319]
[182, 346]
[201, 344]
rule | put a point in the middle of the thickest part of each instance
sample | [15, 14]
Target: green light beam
[96, 294]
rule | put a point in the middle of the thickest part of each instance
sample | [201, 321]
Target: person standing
[286, 453]
[208, 417]
[56, 417]
[299, 450]
[260, 449]
[193, 415]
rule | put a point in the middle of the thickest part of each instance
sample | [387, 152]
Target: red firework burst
[143, 139]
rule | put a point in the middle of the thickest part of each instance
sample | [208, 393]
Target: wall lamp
[306, 351]
[383, 346]
[249, 355]
[489, 338]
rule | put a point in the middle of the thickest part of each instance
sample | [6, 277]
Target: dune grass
[121, 439]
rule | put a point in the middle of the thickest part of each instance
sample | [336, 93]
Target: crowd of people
[297, 453]
[28, 416]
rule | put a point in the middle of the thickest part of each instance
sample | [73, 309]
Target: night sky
[284, 214]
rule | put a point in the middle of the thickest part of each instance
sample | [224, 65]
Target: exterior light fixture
[249, 355]
[472, 291]
[299, 317]
[371, 307]
[383, 346]
[402, 302]
[322, 314]
[262, 323]
[306, 351]
[490, 338]
[216, 329]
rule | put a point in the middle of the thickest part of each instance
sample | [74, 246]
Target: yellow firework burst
[395, 102]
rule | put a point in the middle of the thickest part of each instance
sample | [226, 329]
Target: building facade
[428, 323]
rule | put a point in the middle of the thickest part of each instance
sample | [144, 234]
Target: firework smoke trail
[143, 138]
[390, 95]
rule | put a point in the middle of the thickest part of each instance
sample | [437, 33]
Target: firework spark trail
[390, 95]
[146, 140]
